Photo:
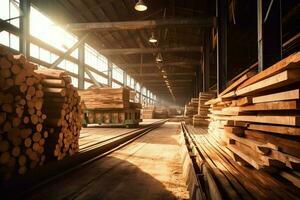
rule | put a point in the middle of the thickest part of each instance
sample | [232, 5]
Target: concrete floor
[148, 168]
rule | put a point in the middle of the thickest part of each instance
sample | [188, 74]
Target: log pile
[96, 97]
[63, 111]
[22, 136]
[25, 123]
[257, 118]
[200, 119]
[190, 110]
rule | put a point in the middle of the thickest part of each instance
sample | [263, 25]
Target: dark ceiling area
[179, 65]
[181, 45]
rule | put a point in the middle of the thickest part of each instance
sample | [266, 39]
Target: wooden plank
[278, 105]
[280, 96]
[291, 177]
[281, 120]
[289, 62]
[285, 145]
[234, 85]
[284, 130]
[282, 79]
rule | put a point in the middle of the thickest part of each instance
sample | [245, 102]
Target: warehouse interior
[144, 99]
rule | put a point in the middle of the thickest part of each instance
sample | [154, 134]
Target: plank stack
[96, 97]
[257, 118]
[26, 131]
[109, 106]
[161, 112]
[148, 112]
[201, 119]
[190, 110]
[63, 111]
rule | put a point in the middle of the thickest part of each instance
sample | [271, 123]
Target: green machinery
[127, 117]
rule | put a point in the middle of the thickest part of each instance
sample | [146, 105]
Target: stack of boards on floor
[190, 110]
[155, 112]
[201, 119]
[113, 100]
[257, 119]
[40, 116]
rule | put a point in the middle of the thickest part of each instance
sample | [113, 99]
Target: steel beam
[109, 73]
[128, 51]
[69, 51]
[81, 67]
[24, 27]
[134, 25]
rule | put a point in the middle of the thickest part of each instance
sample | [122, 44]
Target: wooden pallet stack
[201, 119]
[63, 111]
[258, 118]
[190, 110]
[96, 97]
[24, 121]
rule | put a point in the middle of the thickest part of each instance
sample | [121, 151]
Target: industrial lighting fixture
[152, 39]
[140, 6]
[159, 58]
[165, 76]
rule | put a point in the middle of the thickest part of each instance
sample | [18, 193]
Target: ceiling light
[152, 39]
[159, 58]
[140, 6]
[165, 76]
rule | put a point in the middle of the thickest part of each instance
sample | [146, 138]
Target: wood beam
[169, 74]
[125, 51]
[170, 81]
[150, 65]
[134, 25]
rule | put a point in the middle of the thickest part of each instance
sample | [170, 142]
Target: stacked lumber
[257, 118]
[28, 109]
[97, 97]
[190, 110]
[200, 119]
[148, 112]
[63, 111]
[161, 112]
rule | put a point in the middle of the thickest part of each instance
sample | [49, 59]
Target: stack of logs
[257, 118]
[201, 119]
[25, 133]
[62, 108]
[190, 110]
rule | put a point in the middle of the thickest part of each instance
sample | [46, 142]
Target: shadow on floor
[108, 178]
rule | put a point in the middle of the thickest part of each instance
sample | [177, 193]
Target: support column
[81, 67]
[269, 33]
[124, 79]
[25, 27]
[222, 16]
[109, 72]
[206, 77]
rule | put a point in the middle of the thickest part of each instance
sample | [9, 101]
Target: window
[95, 59]
[74, 81]
[99, 78]
[87, 85]
[9, 40]
[115, 85]
[10, 9]
[117, 73]
[46, 30]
